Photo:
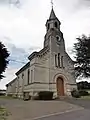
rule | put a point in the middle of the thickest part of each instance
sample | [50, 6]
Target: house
[50, 69]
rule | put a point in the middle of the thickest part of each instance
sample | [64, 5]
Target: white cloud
[10, 75]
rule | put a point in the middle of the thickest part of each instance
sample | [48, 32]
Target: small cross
[52, 3]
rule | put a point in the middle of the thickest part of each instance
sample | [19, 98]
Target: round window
[58, 38]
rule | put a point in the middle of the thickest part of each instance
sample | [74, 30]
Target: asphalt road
[82, 103]
[18, 107]
[76, 115]
[28, 110]
[83, 114]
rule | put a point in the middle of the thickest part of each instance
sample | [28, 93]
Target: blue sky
[22, 27]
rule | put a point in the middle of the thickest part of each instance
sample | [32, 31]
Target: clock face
[58, 38]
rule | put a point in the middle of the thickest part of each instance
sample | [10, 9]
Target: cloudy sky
[22, 27]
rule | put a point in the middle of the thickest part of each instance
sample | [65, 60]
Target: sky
[22, 27]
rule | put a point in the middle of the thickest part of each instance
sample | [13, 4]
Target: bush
[45, 95]
[10, 95]
[75, 94]
[2, 94]
[26, 98]
[83, 93]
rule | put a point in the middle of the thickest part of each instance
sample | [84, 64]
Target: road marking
[59, 113]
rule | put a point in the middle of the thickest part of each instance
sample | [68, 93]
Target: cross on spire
[52, 3]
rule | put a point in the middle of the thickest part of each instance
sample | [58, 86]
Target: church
[50, 69]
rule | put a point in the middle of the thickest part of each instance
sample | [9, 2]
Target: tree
[3, 59]
[84, 85]
[82, 56]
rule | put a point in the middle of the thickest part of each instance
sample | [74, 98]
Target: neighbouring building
[50, 69]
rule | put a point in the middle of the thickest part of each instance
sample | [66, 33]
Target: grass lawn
[7, 97]
[85, 97]
[88, 91]
[3, 113]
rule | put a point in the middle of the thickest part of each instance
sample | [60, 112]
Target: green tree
[3, 59]
[82, 57]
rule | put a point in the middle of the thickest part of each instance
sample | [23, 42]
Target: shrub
[2, 94]
[26, 98]
[83, 93]
[45, 95]
[9, 95]
[75, 93]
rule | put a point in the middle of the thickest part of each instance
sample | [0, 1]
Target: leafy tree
[3, 59]
[82, 51]
[83, 85]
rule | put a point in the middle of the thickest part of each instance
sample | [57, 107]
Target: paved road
[27, 110]
[83, 103]
[76, 115]
[61, 110]
[83, 114]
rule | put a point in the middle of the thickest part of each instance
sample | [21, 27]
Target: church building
[50, 69]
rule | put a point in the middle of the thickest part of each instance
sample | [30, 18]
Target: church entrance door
[60, 86]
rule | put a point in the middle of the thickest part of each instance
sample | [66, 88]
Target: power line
[17, 61]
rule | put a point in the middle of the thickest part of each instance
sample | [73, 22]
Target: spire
[53, 21]
[52, 15]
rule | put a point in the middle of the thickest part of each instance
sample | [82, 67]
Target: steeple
[53, 21]
[52, 15]
[54, 37]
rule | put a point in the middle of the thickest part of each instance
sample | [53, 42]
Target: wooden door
[60, 87]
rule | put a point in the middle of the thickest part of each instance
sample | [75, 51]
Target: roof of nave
[11, 82]
[23, 68]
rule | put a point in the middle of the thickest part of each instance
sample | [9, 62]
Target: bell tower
[53, 22]
[54, 37]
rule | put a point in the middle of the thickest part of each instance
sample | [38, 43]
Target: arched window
[56, 24]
